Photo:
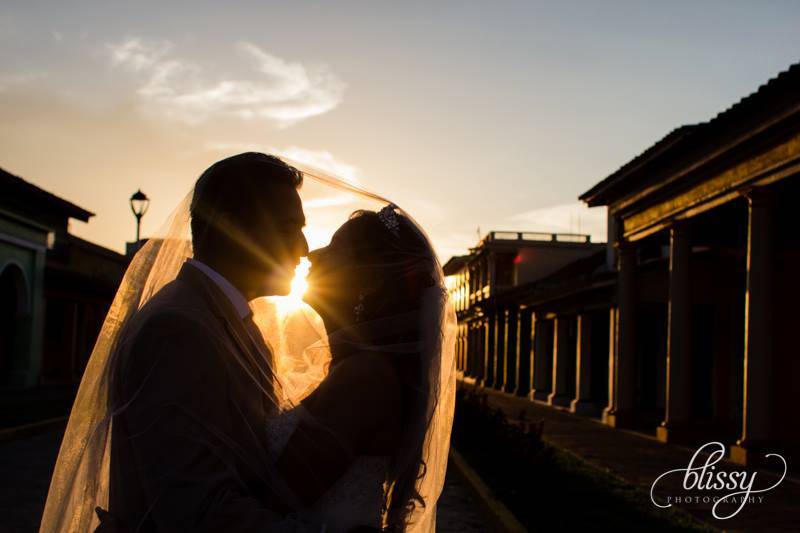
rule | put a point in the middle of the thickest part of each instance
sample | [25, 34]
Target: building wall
[535, 263]
[22, 255]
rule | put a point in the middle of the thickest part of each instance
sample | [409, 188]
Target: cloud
[573, 217]
[319, 159]
[270, 89]
[329, 201]
[13, 79]
[322, 160]
[138, 55]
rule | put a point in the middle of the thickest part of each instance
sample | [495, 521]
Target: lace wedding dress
[356, 499]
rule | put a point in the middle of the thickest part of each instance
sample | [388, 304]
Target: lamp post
[139, 204]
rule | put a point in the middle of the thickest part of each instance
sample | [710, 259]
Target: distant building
[490, 289]
[685, 327]
[55, 290]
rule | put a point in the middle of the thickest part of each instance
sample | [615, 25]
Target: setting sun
[294, 300]
[299, 283]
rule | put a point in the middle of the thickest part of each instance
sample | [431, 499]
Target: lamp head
[139, 203]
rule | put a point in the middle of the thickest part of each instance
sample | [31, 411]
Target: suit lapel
[256, 355]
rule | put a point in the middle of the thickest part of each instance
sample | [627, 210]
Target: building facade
[55, 290]
[493, 289]
[683, 327]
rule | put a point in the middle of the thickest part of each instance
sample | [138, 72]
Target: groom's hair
[228, 192]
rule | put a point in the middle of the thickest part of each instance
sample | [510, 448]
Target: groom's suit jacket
[187, 448]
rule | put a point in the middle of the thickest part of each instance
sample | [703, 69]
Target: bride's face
[333, 280]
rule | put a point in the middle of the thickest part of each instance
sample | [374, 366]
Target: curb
[33, 428]
[500, 517]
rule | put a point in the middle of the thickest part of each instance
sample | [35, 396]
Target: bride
[356, 387]
[353, 450]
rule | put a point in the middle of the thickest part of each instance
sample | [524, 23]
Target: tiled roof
[15, 187]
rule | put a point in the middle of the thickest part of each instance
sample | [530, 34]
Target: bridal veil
[301, 359]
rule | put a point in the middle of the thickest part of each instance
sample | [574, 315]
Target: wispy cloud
[573, 217]
[13, 79]
[272, 89]
[319, 159]
[138, 55]
[323, 160]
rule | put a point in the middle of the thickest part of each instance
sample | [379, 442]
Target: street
[26, 465]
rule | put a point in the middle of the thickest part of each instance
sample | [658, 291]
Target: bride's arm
[357, 400]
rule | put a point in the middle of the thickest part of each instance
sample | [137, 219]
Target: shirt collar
[232, 293]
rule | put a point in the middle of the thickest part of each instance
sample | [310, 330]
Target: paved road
[26, 465]
[25, 468]
[456, 511]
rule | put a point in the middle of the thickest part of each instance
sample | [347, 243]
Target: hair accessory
[358, 310]
[389, 219]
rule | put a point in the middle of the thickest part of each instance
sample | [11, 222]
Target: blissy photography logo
[727, 490]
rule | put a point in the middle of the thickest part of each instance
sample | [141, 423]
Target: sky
[472, 116]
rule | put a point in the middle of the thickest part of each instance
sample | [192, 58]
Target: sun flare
[294, 300]
[299, 283]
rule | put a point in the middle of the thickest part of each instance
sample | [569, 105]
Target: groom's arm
[177, 424]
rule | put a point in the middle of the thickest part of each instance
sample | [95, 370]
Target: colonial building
[487, 285]
[55, 289]
[683, 328]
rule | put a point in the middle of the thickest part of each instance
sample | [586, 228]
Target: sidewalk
[639, 459]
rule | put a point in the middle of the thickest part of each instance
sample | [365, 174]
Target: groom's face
[277, 240]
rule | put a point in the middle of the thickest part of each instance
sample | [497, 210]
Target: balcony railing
[495, 236]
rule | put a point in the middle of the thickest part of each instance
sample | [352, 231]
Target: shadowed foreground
[27, 463]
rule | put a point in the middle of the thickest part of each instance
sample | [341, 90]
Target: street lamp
[139, 204]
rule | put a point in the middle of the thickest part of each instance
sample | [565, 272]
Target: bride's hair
[398, 264]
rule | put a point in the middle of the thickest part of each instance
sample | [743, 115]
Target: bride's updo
[393, 267]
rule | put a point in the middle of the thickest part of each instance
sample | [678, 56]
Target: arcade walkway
[639, 459]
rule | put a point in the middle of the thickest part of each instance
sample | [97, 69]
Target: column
[473, 371]
[674, 428]
[559, 395]
[759, 350]
[499, 349]
[480, 363]
[524, 352]
[619, 413]
[611, 361]
[489, 353]
[492, 275]
[512, 316]
[464, 347]
[541, 389]
[459, 368]
[470, 350]
[582, 404]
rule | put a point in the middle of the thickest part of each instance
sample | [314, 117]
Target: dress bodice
[355, 499]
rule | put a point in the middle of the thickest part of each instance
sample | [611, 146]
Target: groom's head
[247, 222]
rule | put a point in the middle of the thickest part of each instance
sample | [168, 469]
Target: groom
[194, 387]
